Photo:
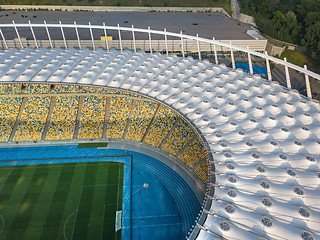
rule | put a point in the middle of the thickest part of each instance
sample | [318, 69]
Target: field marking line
[65, 224]
[104, 209]
[156, 216]
[74, 224]
[118, 193]
[118, 184]
[2, 224]
[47, 165]
[157, 225]
[6, 179]
[133, 192]
[98, 185]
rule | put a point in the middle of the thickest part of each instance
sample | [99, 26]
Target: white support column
[75, 27]
[4, 40]
[48, 34]
[166, 41]
[198, 45]
[268, 67]
[34, 36]
[120, 41]
[215, 52]
[150, 43]
[64, 38]
[309, 94]
[92, 39]
[250, 62]
[14, 24]
[287, 74]
[182, 47]
[232, 57]
[105, 34]
[134, 40]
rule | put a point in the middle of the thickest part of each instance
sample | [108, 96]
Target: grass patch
[92, 145]
[275, 43]
[300, 58]
[61, 201]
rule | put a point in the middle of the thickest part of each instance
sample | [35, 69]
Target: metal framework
[301, 119]
[149, 31]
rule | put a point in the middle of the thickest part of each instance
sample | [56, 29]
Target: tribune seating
[33, 119]
[118, 116]
[92, 117]
[162, 124]
[140, 119]
[202, 171]
[182, 133]
[64, 115]
[66, 89]
[37, 89]
[8, 113]
[9, 89]
[63, 119]
[193, 153]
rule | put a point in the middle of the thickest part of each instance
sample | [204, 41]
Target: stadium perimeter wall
[116, 9]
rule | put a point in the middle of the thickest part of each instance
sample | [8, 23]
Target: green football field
[60, 201]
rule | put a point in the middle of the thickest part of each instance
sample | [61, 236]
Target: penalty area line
[6, 179]
[2, 223]
[74, 224]
[104, 209]
[118, 195]
[65, 224]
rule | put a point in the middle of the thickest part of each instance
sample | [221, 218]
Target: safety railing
[177, 43]
[187, 44]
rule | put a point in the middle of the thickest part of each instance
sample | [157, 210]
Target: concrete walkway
[115, 9]
[235, 9]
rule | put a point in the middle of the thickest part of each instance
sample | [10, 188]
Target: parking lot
[207, 25]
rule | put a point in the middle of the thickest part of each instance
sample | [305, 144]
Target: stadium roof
[264, 138]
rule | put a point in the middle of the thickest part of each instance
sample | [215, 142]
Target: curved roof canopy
[264, 138]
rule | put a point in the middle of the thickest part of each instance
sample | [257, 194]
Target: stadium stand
[63, 119]
[202, 171]
[180, 136]
[8, 114]
[92, 117]
[161, 126]
[33, 119]
[193, 153]
[141, 117]
[118, 116]
[9, 89]
[36, 89]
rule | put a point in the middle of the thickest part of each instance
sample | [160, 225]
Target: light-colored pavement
[207, 25]
[235, 9]
[115, 9]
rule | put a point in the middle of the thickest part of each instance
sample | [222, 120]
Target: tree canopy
[294, 21]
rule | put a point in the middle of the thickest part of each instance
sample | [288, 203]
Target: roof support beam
[77, 125]
[133, 105]
[169, 133]
[17, 122]
[106, 117]
[198, 163]
[46, 127]
[150, 123]
[186, 145]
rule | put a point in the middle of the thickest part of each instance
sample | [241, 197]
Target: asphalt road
[207, 25]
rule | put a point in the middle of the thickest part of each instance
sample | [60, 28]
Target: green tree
[312, 39]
